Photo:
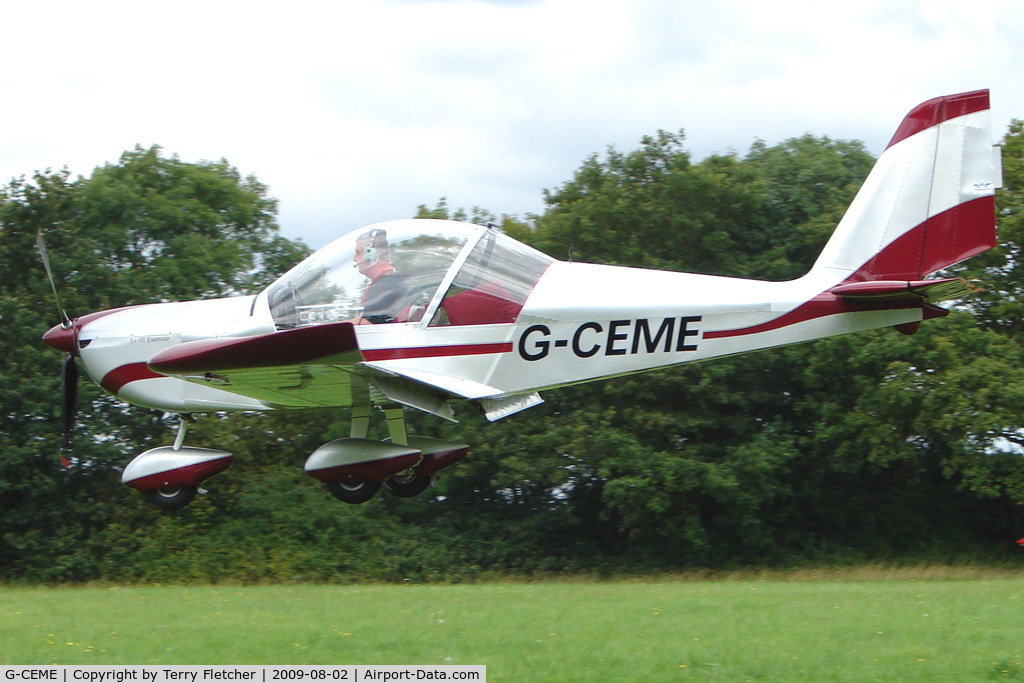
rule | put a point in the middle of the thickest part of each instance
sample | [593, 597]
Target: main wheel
[171, 498]
[407, 484]
[353, 492]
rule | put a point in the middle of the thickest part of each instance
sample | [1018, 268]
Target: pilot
[387, 294]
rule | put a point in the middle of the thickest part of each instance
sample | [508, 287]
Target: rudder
[928, 202]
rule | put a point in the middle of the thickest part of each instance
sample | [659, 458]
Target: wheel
[353, 492]
[172, 498]
[407, 484]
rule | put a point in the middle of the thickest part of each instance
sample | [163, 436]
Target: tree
[147, 229]
[511, 225]
[786, 453]
[998, 272]
[751, 217]
[869, 445]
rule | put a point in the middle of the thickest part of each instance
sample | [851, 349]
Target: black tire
[353, 492]
[407, 485]
[171, 498]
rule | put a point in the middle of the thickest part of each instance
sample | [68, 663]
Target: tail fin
[928, 203]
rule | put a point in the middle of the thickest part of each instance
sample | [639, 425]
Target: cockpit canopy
[409, 271]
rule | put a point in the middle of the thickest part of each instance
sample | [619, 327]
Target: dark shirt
[385, 298]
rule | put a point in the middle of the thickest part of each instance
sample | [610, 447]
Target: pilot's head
[371, 249]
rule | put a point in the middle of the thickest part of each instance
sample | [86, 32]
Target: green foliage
[997, 271]
[864, 446]
[766, 215]
[876, 441]
[511, 225]
[146, 229]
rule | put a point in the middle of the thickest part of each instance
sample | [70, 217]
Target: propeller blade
[65, 322]
[69, 401]
[62, 339]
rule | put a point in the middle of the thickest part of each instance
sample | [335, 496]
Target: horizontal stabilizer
[932, 291]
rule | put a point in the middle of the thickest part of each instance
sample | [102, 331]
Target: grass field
[919, 625]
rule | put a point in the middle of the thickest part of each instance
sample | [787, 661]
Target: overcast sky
[356, 112]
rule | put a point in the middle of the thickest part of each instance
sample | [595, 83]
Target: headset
[376, 242]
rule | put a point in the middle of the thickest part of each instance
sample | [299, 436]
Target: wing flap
[423, 389]
[455, 387]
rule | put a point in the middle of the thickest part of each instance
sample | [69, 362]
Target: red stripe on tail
[934, 112]
[944, 239]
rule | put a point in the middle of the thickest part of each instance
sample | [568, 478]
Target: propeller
[69, 394]
[65, 322]
[62, 338]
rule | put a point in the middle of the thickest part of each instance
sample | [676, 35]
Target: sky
[358, 112]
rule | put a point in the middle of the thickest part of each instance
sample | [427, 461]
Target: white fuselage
[581, 322]
[116, 347]
[928, 203]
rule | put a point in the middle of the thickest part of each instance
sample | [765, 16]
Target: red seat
[489, 303]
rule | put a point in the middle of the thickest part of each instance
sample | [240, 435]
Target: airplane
[428, 314]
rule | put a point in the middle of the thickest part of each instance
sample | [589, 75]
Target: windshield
[493, 283]
[384, 273]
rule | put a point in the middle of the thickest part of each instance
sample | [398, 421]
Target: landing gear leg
[395, 415]
[407, 483]
[354, 491]
[179, 440]
[360, 421]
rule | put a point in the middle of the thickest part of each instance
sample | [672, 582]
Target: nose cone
[61, 338]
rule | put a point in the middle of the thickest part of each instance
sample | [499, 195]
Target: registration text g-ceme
[30, 674]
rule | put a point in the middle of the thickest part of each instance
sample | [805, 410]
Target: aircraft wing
[307, 367]
[311, 367]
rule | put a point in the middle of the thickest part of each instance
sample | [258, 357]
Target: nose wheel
[172, 498]
[169, 477]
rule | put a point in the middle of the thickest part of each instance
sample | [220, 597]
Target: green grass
[922, 626]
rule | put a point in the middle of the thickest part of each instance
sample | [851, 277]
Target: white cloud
[357, 112]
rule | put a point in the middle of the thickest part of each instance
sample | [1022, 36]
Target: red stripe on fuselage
[436, 351]
[944, 239]
[821, 306]
[115, 380]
